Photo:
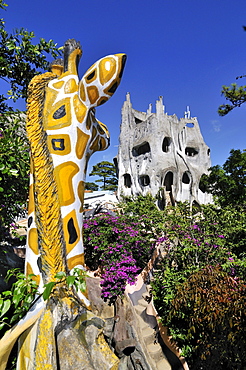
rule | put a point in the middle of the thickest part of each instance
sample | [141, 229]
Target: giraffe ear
[101, 80]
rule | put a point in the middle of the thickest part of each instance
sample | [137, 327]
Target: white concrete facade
[161, 154]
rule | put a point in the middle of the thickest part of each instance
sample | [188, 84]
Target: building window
[202, 185]
[208, 151]
[168, 181]
[186, 177]
[141, 149]
[127, 180]
[166, 144]
[191, 152]
[144, 180]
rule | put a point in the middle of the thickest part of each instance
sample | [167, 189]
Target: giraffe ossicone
[63, 133]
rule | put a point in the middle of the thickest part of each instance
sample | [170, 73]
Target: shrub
[208, 318]
[120, 246]
[201, 247]
[14, 169]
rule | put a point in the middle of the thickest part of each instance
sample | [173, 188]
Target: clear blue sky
[183, 50]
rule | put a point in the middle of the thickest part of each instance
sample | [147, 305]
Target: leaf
[70, 280]
[60, 275]
[2, 325]
[6, 306]
[48, 289]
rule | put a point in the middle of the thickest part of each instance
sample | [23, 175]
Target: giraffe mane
[49, 221]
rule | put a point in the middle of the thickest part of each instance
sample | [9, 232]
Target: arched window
[186, 177]
[168, 181]
[127, 180]
[202, 185]
[166, 144]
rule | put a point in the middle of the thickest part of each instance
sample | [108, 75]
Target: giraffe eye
[60, 112]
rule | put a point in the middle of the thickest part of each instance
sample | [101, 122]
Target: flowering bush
[120, 246]
[199, 250]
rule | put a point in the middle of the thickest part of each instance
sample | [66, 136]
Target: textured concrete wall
[158, 151]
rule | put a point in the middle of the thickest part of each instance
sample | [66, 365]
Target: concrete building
[161, 154]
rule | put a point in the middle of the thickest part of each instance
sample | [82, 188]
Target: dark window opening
[186, 177]
[144, 180]
[168, 181]
[137, 120]
[191, 152]
[208, 152]
[141, 149]
[202, 183]
[166, 144]
[127, 180]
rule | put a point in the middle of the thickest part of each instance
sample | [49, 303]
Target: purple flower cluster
[120, 246]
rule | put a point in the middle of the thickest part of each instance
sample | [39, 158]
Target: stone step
[148, 335]
[155, 351]
[163, 365]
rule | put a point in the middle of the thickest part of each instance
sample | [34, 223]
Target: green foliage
[198, 249]
[235, 94]
[15, 303]
[91, 186]
[21, 60]
[76, 279]
[228, 183]
[107, 172]
[209, 308]
[144, 206]
[14, 168]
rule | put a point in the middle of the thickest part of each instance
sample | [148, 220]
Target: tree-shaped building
[161, 155]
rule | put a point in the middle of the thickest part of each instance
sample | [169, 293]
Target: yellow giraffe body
[63, 134]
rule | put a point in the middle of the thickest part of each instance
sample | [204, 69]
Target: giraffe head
[101, 80]
[96, 87]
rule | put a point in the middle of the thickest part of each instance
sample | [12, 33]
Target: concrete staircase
[148, 327]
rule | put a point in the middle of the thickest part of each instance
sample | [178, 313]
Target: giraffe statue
[63, 134]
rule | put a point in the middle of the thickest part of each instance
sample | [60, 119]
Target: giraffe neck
[47, 217]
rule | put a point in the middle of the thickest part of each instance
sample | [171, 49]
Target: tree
[235, 94]
[20, 61]
[228, 183]
[107, 172]
[91, 186]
